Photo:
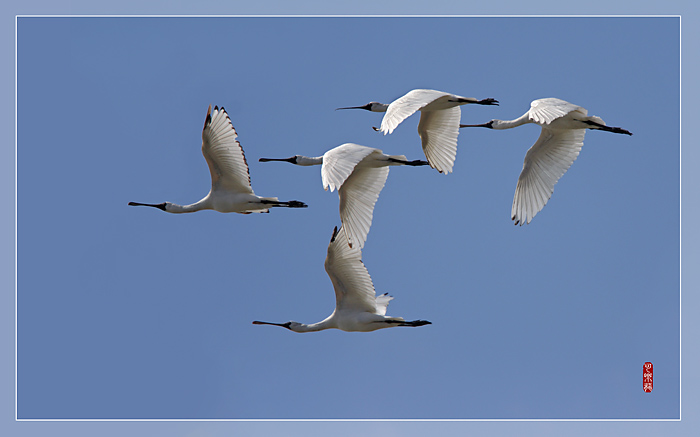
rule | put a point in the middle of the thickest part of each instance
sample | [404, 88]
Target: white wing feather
[339, 163]
[358, 195]
[403, 107]
[438, 132]
[546, 161]
[547, 110]
[353, 286]
[224, 154]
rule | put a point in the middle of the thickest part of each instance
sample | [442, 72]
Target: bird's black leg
[290, 204]
[617, 130]
[410, 323]
[413, 163]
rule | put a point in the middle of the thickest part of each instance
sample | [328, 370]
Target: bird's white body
[230, 179]
[359, 174]
[563, 129]
[357, 307]
[224, 201]
[438, 127]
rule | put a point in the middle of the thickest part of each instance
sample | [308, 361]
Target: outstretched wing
[546, 161]
[353, 286]
[339, 163]
[549, 109]
[224, 154]
[358, 195]
[438, 132]
[403, 107]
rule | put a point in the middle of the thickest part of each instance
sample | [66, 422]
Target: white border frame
[680, 248]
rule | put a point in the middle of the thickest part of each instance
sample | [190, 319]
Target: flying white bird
[357, 308]
[359, 173]
[230, 179]
[438, 127]
[563, 127]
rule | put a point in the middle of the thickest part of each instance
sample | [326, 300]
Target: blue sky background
[133, 313]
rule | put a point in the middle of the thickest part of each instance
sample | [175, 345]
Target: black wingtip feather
[207, 121]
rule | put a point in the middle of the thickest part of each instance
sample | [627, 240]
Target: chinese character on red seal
[648, 377]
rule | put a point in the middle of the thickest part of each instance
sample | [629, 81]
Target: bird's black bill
[160, 206]
[488, 125]
[366, 107]
[283, 325]
[292, 160]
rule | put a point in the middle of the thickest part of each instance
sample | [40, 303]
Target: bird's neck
[328, 323]
[379, 107]
[181, 209]
[308, 160]
[508, 124]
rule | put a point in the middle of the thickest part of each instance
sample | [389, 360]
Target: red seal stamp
[648, 377]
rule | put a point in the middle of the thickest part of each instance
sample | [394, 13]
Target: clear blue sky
[133, 313]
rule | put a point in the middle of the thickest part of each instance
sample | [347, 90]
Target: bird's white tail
[596, 119]
[382, 303]
[396, 159]
[399, 157]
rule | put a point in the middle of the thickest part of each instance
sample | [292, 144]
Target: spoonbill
[357, 308]
[563, 127]
[359, 173]
[230, 178]
[438, 127]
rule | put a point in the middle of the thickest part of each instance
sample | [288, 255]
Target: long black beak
[293, 159]
[283, 325]
[488, 125]
[367, 107]
[160, 206]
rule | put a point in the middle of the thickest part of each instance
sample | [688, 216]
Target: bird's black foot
[415, 323]
[296, 204]
[488, 101]
[619, 130]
